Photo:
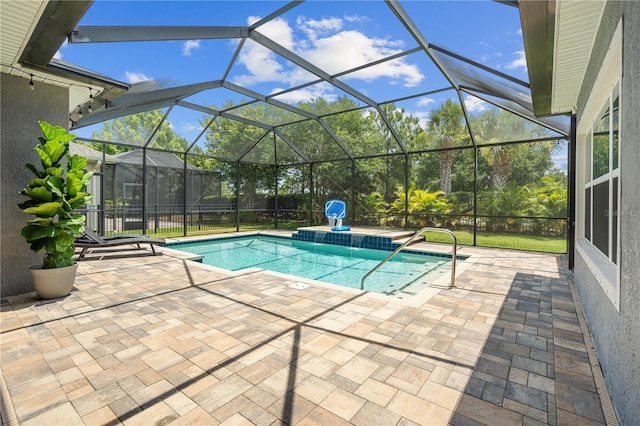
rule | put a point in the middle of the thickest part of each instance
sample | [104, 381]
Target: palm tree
[499, 161]
[491, 128]
[447, 125]
[495, 125]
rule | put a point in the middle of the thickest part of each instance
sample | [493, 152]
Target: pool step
[403, 240]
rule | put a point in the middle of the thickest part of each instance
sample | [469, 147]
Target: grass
[502, 240]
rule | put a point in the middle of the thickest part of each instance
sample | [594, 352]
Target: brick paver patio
[146, 340]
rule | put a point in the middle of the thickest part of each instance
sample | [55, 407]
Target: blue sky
[485, 31]
[332, 35]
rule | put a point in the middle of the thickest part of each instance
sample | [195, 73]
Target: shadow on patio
[535, 363]
[160, 339]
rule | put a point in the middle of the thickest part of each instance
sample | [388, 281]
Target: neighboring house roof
[154, 158]
[91, 154]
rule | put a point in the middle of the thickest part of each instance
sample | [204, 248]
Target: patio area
[160, 339]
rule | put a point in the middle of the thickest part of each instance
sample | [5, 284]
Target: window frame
[606, 89]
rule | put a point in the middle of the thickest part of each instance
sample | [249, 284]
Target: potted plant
[53, 196]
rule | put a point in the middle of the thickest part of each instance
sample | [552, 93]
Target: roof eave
[559, 36]
[52, 30]
[538, 32]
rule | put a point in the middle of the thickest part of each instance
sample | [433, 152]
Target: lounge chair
[90, 240]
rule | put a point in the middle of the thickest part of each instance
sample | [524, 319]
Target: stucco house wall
[616, 332]
[20, 110]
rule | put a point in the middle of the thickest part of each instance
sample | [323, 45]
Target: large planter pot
[53, 283]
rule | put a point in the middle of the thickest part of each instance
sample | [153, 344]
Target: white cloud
[561, 162]
[474, 104]
[425, 101]
[189, 46]
[409, 74]
[321, 90]
[277, 29]
[314, 28]
[261, 64]
[519, 63]
[58, 54]
[190, 127]
[326, 44]
[357, 19]
[349, 49]
[134, 77]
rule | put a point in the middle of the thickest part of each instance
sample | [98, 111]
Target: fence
[171, 220]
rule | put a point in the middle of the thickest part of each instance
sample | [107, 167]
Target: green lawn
[510, 241]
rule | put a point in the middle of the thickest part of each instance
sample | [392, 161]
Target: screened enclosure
[161, 193]
[454, 144]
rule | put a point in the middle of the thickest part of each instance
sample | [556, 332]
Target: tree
[406, 127]
[447, 125]
[496, 125]
[332, 178]
[135, 130]
[229, 141]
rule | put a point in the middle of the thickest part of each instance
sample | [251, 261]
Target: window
[597, 177]
[601, 179]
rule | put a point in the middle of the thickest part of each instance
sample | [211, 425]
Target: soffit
[30, 34]
[558, 39]
[18, 20]
[577, 25]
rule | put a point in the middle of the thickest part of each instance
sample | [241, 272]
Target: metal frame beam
[513, 111]
[275, 14]
[478, 65]
[308, 66]
[292, 145]
[538, 33]
[268, 100]
[112, 34]
[412, 28]
[110, 114]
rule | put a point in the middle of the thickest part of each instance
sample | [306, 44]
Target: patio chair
[90, 240]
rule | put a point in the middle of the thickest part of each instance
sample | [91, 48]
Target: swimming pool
[334, 264]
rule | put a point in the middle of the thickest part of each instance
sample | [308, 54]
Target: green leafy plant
[53, 197]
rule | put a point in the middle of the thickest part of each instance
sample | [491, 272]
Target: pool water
[334, 264]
